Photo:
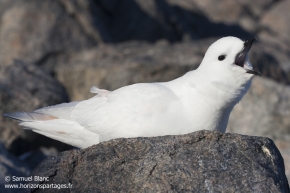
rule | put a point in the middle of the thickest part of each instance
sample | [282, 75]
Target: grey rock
[26, 87]
[204, 161]
[33, 30]
[10, 166]
[174, 21]
[37, 35]
[274, 29]
[34, 157]
[89, 15]
[274, 23]
[272, 61]
[118, 21]
[113, 66]
[244, 13]
[36, 31]
[265, 111]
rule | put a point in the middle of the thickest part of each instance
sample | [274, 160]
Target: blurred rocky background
[53, 51]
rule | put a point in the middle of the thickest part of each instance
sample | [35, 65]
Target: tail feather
[57, 123]
[63, 130]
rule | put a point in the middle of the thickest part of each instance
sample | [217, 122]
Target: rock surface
[113, 66]
[37, 35]
[10, 166]
[174, 20]
[274, 23]
[33, 30]
[26, 87]
[265, 111]
[204, 161]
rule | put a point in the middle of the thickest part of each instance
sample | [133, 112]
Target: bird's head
[227, 60]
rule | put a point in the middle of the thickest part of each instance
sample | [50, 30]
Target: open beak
[241, 57]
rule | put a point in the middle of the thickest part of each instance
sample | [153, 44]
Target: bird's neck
[213, 97]
[226, 93]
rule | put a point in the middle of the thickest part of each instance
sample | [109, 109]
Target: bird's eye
[221, 57]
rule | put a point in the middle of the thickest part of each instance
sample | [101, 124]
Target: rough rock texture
[275, 23]
[117, 21]
[10, 166]
[34, 30]
[265, 111]
[36, 156]
[274, 29]
[204, 161]
[111, 67]
[36, 34]
[25, 87]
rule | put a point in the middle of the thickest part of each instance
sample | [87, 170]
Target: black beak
[241, 57]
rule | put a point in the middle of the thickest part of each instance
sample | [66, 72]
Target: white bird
[200, 99]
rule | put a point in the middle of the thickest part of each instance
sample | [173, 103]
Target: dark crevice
[122, 162]
[140, 170]
[151, 171]
[55, 172]
[193, 142]
[42, 182]
[47, 56]
[171, 154]
[171, 187]
[219, 145]
[74, 165]
[107, 11]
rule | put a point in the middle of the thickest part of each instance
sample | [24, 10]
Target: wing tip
[14, 115]
[28, 117]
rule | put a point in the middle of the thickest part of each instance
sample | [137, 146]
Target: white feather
[63, 130]
[98, 91]
[63, 110]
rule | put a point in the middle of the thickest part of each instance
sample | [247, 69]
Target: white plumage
[201, 99]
